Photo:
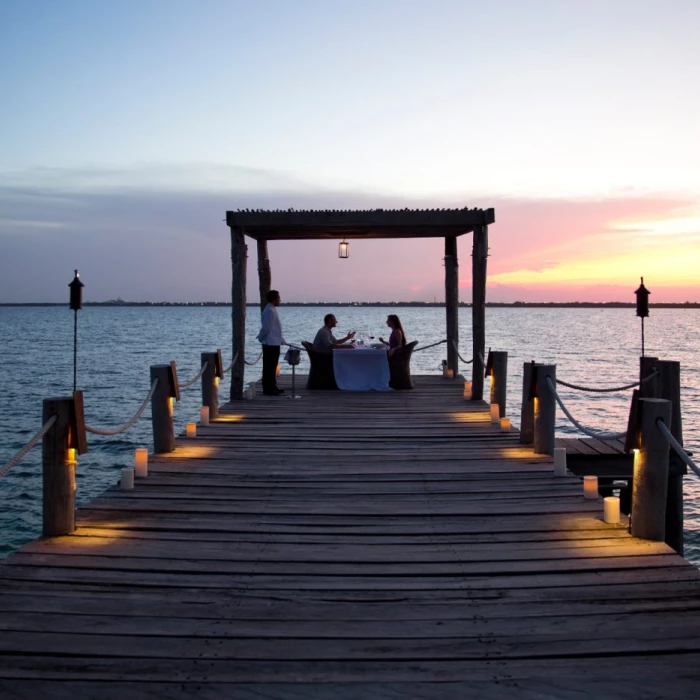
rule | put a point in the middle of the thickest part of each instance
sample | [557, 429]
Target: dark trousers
[270, 358]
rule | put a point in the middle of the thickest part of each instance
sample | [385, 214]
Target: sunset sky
[129, 127]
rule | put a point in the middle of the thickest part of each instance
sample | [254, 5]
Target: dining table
[361, 369]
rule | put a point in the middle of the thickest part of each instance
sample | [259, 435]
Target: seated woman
[397, 339]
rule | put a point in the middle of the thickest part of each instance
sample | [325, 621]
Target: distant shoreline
[398, 304]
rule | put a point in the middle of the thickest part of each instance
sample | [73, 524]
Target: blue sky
[130, 127]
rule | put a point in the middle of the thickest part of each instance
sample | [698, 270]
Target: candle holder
[495, 411]
[71, 456]
[560, 461]
[127, 480]
[467, 391]
[204, 415]
[505, 424]
[611, 510]
[141, 461]
[590, 486]
[450, 373]
[191, 430]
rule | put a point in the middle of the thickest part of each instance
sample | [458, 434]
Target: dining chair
[400, 367]
[321, 375]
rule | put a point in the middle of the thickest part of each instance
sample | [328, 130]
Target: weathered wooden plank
[429, 547]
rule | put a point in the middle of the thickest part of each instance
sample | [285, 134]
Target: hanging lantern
[344, 249]
[642, 300]
[642, 306]
[76, 292]
[76, 303]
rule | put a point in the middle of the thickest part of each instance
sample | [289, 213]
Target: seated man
[325, 341]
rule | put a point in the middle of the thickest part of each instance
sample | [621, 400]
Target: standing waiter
[271, 338]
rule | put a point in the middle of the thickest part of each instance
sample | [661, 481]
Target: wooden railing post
[499, 379]
[650, 479]
[544, 409]
[58, 472]
[527, 407]
[162, 409]
[667, 385]
[210, 382]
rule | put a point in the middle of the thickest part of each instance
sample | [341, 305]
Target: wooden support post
[527, 410]
[239, 258]
[480, 251]
[452, 303]
[667, 385]
[499, 379]
[264, 275]
[650, 480]
[162, 410]
[58, 473]
[650, 388]
[210, 383]
[545, 410]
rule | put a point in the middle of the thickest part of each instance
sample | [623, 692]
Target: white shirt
[271, 331]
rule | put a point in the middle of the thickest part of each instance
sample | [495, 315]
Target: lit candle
[560, 461]
[450, 373]
[70, 455]
[590, 486]
[611, 509]
[505, 423]
[191, 430]
[127, 480]
[278, 371]
[216, 381]
[468, 390]
[495, 413]
[204, 415]
[141, 461]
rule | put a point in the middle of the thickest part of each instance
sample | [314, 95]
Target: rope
[425, 347]
[466, 362]
[591, 433]
[233, 362]
[190, 383]
[676, 446]
[250, 364]
[126, 426]
[45, 429]
[604, 391]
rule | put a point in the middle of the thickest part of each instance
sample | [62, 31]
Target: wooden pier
[349, 545]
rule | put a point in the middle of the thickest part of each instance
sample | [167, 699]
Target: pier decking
[349, 545]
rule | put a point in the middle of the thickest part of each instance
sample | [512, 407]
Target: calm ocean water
[117, 345]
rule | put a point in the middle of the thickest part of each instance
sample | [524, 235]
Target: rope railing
[587, 431]
[233, 362]
[466, 362]
[255, 362]
[612, 389]
[425, 347]
[18, 457]
[126, 426]
[184, 385]
[677, 446]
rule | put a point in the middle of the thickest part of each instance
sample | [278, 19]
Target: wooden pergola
[280, 225]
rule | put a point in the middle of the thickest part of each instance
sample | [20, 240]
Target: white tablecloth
[361, 369]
